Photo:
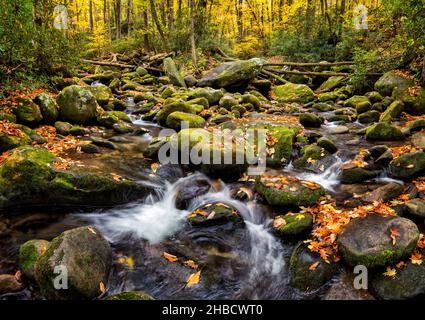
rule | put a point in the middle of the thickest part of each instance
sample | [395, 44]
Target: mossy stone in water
[175, 120]
[367, 240]
[101, 93]
[29, 253]
[384, 132]
[293, 224]
[369, 116]
[302, 276]
[360, 103]
[310, 120]
[167, 109]
[408, 165]
[122, 127]
[213, 96]
[130, 295]
[214, 214]
[309, 153]
[356, 175]
[393, 111]
[291, 92]
[327, 144]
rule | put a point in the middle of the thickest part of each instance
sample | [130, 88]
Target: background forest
[392, 34]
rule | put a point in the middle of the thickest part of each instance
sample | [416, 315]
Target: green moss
[308, 153]
[384, 132]
[167, 109]
[294, 224]
[133, 295]
[393, 112]
[291, 92]
[175, 119]
[29, 253]
[28, 112]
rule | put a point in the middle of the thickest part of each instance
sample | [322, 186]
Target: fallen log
[309, 64]
[331, 88]
[320, 74]
[274, 76]
[110, 64]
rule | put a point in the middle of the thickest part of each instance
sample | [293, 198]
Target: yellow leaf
[91, 230]
[170, 257]
[193, 279]
[300, 216]
[391, 272]
[314, 266]
[191, 264]
[102, 287]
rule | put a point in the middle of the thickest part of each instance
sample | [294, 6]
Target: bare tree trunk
[192, 35]
[156, 20]
[91, 16]
[146, 26]
[239, 13]
[129, 5]
[170, 7]
[118, 18]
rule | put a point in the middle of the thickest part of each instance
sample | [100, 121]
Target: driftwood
[309, 64]
[110, 64]
[331, 88]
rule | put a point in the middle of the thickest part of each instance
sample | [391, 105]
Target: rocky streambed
[83, 188]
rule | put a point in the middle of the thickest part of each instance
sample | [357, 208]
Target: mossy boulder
[167, 109]
[360, 103]
[310, 120]
[231, 73]
[76, 105]
[291, 92]
[173, 73]
[370, 116]
[167, 92]
[413, 99]
[384, 132]
[374, 96]
[107, 119]
[327, 144]
[141, 71]
[130, 295]
[416, 207]
[48, 107]
[332, 83]
[123, 127]
[199, 102]
[302, 276]
[101, 93]
[367, 240]
[63, 127]
[19, 138]
[28, 112]
[28, 178]
[87, 257]
[390, 80]
[213, 96]
[328, 96]
[177, 119]
[393, 112]
[293, 224]
[29, 253]
[408, 165]
[309, 154]
[228, 102]
[7, 116]
[282, 191]
[214, 214]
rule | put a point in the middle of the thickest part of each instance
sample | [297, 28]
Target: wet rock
[369, 116]
[360, 103]
[377, 151]
[178, 120]
[234, 73]
[384, 193]
[408, 165]
[309, 155]
[122, 127]
[38, 139]
[417, 125]
[302, 275]
[327, 144]
[101, 93]
[28, 179]
[101, 142]
[213, 96]
[385, 158]
[367, 240]
[288, 191]
[413, 99]
[87, 257]
[131, 295]
[331, 83]
[78, 131]
[418, 140]
[409, 283]
[76, 105]
[323, 107]
[173, 73]
[356, 175]
[8, 142]
[191, 189]
[374, 96]
[384, 132]
[9, 284]
[214, 214]
[48, 107]
[390, 80]
[343, 289]
[310, 120]
[63, 127]
[154, 146]
[190, 81]
[89, 148]
[339, 130]
[293, 224]
[291, 92]
[29, 253]
[416, 207]
[28, 112]
[393, 112]
[170, 172]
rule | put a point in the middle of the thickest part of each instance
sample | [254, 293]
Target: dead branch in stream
[319, 74]
[110, 64]
[309, 64]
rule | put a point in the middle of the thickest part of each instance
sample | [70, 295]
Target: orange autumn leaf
[170, 257]
[193, 279]
[314, 266]
[394, 234]
[416, 258]
[191, 264]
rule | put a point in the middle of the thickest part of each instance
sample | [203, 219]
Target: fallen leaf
[102, 287]
[314, 266]
[391, 272]
[193, 279]
[279, 222]
[191, 264]
[416, 258]
[91, 230]
[394, 234]
[170, 257]
[300, 217]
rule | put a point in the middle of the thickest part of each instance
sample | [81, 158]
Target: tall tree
[192, 34]
[118, 17]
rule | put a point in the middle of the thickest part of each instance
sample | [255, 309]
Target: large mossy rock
[28, 179]
[413, 99]
[214, 214]
[28, 112]
[173, 73]
[212, 95]
[101, 93]
[309, 154]
[286, 191]
[76, 105]
[302, 275]
[293, 224]
[360, 103]
[9, 141]
[178, 120]
[48, 106]
[29, 253]
[367, 240]
[130, 295]
[167, 109]
[408, 165]
[87, 257]
[383, 131]
[393, 111]
[408, 283]
[231, 73]
[291, 92]
[310, 120]
[331, 83]
[356, 175]
[390, 80]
